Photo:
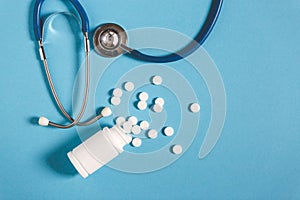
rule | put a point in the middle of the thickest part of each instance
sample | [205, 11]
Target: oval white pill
[156, 80]
[127, 127]
[152, 134]
[136, 130]
[159, 101]
[120, 120]
[144, 125]
[168, 131]
[117, 92]
[129, 86]
[194, 107]
[115, 101]
[177, 149]
[136, 142]
[143, 96]
[133, 120]
[157, 108]
[142, 105]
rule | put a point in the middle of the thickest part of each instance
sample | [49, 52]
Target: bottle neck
[117, 137]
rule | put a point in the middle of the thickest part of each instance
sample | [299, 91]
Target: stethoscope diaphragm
[108, 40]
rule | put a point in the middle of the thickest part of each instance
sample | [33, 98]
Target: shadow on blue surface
[57, 159]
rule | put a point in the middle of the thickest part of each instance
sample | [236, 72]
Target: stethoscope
[110, 40]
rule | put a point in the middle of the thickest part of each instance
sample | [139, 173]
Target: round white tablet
[157, 108]
[136, 142]
[115, 101]
[129, 86]
[117, 92]
[127, 127]
[144, 125]
[152, 134]
[156, 80]
[143, 96]
[176, 149]
[133, 120]
[142, 105]
[168, 131]
[136, 130]
[194, 107]
[159, 101]
[120, 120]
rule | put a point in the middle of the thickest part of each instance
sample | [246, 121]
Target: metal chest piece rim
[108, 40]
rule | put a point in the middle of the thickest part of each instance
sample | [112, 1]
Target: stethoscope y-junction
[110, 40]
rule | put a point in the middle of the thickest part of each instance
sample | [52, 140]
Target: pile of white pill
[142, 103]
[132, 125]
[116, 97]
[158, 106]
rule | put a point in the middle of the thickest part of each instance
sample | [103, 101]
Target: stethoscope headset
[110, 40]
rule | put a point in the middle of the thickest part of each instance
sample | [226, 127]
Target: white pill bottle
[98, 150]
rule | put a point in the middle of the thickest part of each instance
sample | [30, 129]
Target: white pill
[117, 92]
[115, 101]
[194, 107]
[157, 108]
[127, 127]
[129, 86]
[142, 105]
[152, 134]
[136, 142]
[168, 131]
[136, 130]
[144, 125]
[133, 120]
[159, 101]
[143, 96]
[177, 149]
[156, 80]
[120, 120]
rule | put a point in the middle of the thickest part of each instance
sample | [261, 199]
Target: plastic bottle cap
[98, 150]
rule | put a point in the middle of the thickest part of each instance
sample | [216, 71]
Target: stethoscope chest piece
[108, 40]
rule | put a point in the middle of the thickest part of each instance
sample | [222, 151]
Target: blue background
[255, 46]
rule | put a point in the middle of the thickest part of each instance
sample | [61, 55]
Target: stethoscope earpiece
[108, 40]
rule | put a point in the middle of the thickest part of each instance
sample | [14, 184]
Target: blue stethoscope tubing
[37, 22]
[199, 39]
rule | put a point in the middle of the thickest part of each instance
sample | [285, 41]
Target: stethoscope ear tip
[106, 112]
[43, 121]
